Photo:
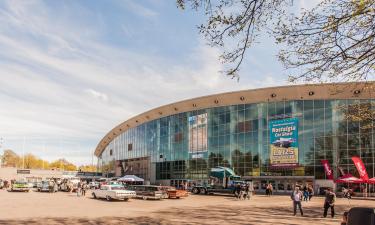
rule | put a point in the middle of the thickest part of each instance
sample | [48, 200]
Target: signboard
[327, 169]
[198, 155]
[284, 142]
[360, 167]
[198, 133]
[23, 171]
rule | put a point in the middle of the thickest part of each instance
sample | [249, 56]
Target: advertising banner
[284, 142]
[198, 133]
[327, 169]
[360, 167]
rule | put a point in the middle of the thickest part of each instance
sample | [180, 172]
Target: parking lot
[66, 208]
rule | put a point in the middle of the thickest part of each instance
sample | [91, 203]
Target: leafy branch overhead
[333, 41]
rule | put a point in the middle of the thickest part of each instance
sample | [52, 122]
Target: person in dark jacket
[329, 202]
[310, 189]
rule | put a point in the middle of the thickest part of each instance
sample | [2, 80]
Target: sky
[70, 71]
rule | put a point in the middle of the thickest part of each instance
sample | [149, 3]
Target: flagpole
[44, 150]
[23, 152]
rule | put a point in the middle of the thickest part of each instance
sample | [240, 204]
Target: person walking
[238, 191]
[83, 189]
[305, 194]
[310, 190]
[297, 198]
[247, 191]
[79, 185]
[329, 202]
[271, 189]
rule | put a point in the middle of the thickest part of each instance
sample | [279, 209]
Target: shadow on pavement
[220, 214]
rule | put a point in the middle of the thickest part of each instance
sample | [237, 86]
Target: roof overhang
[354, 90]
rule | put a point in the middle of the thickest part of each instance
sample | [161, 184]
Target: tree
[333, 41]
[88, 168]
[63, 164]
[11, 159]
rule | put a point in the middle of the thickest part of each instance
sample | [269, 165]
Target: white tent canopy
[130, 178]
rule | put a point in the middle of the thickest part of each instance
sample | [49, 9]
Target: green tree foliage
[88, 168]
[333, 41]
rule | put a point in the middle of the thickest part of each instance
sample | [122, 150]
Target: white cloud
[97, 94]
[56, 79]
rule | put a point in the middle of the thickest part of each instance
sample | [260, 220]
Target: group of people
[82, 187]
[243, 191]
[4, 184]
[308, 192]
[297, 197]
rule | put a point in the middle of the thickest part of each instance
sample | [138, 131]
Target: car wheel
[195, 191]
[108, 198]
[126, 199]
[93, 195]
[204, 191]
[144, 197]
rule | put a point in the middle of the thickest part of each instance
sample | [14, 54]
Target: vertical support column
[260, 134]
[335, 141]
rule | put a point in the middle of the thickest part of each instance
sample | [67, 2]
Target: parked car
[69, 184]
[110, 192]
[148, 191]
[47, 186]
[20, 186]
[94, 185]
[172, 192]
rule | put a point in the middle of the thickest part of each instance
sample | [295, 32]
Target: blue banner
[284, 142]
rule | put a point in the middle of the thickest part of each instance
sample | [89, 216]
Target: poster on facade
[284, 142]
[198, 133]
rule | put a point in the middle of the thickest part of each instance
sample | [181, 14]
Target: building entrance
[280, 184]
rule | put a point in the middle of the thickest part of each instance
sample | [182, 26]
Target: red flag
[328, 170]
[360, 167]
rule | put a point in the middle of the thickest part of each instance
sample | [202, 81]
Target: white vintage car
[113, 191]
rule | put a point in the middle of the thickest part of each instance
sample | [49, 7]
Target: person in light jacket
[297, 198]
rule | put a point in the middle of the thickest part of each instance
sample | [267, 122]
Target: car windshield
[117, 188]
[21, 182]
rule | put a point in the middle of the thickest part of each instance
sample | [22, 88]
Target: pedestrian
[297, 198]
[268, 190]
[247, 191]
[79, 185]
[310, 189]
[305, 194]
[238, 191]
[242, 192]
[271, 189]
[329, 202]
[83, 189]
[344, 218]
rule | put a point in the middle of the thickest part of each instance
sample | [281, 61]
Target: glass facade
[186, 145]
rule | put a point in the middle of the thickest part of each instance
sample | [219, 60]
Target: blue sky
[72, 70]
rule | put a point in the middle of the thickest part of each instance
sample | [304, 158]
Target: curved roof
[355, 90]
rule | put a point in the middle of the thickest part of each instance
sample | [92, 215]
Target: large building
[278, 135]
